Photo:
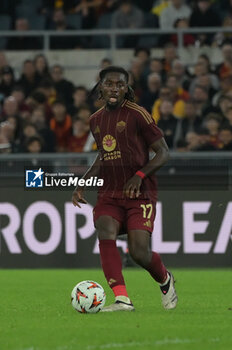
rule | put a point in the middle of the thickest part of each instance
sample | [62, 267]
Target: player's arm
[160, 147]
[161, 150]
[77, 196]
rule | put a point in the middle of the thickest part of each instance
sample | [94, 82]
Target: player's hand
[77, 197]
[132, 187]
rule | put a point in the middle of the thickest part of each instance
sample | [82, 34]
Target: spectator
[212, 124]
[225, 103]
[178, 69]
[29, 81]
[225, 68]
[59, 24]
[190, 122]
[61, 124]
[204, 16]
[5, 145]
[169, 56]
[10, 108]
[224, 87]
[23, 42]
[199, 142]
[18, 94]
[38, 118]
[128, 16]
[188, 39]
[176, 10]
[206, 81]
[79, 100]
[84, 114]
[136, 70]
[64, 88]
[202, 104]
[159, 6]
[34, 144]
[79, 137]
[143, 54]
[177, 91]
[204, 60]
[105, 62]
[167, 122]
[201, 70]
[166, 94]
[156, 66]
[41, 67]
[7, 81]
[48, 6]
[16, 127]
[225, 136]
[151, 94]
[47, 87]
[221, 37]
[145, 6]
[38, 100]
[88, 10]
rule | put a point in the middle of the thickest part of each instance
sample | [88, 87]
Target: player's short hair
[113, 69]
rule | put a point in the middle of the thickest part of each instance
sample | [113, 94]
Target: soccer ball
[88, 297]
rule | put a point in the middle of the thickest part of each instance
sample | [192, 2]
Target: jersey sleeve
[148, 128]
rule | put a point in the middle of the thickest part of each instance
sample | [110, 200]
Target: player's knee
[106, 229]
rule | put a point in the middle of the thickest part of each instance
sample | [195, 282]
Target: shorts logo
[120, 126]
[147, 223]
[34, 178]
[109, 143]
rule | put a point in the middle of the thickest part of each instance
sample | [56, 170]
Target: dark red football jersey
[123, 137]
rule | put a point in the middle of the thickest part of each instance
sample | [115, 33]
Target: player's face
[113, 88]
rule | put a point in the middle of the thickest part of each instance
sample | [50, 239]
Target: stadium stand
[187, 91]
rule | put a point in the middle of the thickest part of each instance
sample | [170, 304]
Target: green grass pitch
[36, 313]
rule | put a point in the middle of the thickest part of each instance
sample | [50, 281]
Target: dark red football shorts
[132, 214]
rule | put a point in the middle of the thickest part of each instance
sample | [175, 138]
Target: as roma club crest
[120, 126]
[109, 143]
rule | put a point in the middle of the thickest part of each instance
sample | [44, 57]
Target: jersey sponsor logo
[112, 155]
[120, 126]
[109, 143]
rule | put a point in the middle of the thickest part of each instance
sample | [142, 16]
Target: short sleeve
[147, 128]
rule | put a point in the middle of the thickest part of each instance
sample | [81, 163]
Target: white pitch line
[142, 344]
[134, 344]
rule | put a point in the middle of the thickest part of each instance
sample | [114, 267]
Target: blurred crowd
[60, 15]
[42, 111]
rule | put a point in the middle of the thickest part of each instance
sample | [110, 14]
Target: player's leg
[107, 231]
[107, 219]
[139, 248]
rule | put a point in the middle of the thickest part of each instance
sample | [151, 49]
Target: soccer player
[124, 133]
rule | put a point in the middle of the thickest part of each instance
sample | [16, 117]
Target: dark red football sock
[112, 266]
[157, 269]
